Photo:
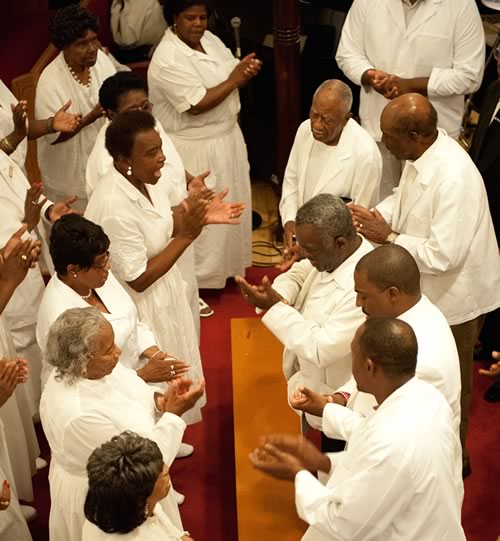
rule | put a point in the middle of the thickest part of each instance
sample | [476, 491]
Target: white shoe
[41, 463]
[179, 498]
[29, 513]
[185, 450]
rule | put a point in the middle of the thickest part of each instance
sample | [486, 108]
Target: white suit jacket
[437, 364]
[399, 480]
[353, 171]
[444, 41]
[317, 326]
[444, 221]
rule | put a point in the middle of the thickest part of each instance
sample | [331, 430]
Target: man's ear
[394, 294]
[370, 367]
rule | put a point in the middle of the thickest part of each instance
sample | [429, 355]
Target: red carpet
[207, 478]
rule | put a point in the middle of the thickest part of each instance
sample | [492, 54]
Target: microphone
[236, 23]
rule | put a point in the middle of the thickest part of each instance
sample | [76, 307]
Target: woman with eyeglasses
[79, 250]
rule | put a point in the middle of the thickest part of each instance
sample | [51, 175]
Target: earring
[75, 275]
[146, 511]
[129, 171]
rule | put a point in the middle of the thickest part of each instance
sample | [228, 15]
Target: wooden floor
[266, 252]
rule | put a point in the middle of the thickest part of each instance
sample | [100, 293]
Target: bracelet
[7, 145]
[50, 125]
[345, 395]
[155, 354]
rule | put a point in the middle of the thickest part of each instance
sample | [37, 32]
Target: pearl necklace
[75, 77]
[89, 294]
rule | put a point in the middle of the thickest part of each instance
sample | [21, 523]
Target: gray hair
[339, 90]
[329, 214]
[72, 340]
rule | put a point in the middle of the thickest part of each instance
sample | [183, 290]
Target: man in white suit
[395, 47]
[440, 214]
[331, 153]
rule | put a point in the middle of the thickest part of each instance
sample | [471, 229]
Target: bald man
[440, 214]
[395, 47]
[331, 153]
[387, 284]
[400, 476]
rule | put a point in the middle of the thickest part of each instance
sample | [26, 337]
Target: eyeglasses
[103, 265]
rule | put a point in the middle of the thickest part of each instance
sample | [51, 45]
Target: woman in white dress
[18, 444]
[127, 481]
[79, 250]
[127, 91]
[147, 238]
[193, 82]
[76, 74]
[91, 397]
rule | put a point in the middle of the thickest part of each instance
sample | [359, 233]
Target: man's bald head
[409, 126]
[387, 282]
[391, 344]
[330, 111]
[391, 265]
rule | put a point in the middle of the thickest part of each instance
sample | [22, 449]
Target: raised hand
[220, 212]
[65, 122]
[19, 117]
[8, 379]
[301, 448]
[248, 67]
[15, 266]
[33, 205]
[163, 367]
[197, 184]
[276, 462]
[494, 370]
[182, 395]
[5, 498]
[303, 399]
[193, 220]
[263, 295]
[370, 223]
[63, 207]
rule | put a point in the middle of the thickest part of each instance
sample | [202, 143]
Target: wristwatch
[391, 237]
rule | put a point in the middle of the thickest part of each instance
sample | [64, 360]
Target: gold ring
[24, 257]
[34, 203]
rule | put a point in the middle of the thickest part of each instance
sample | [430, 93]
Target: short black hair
[122, 474]
[74, 240]
[174, 7]
[391, 344]
[120, 134]
[118, 85]
[71, 23]
[391, 265]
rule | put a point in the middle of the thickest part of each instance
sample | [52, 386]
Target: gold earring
[75, 275]
[129, 171]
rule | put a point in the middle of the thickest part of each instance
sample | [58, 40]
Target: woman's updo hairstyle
[121, 133]
[175, 7]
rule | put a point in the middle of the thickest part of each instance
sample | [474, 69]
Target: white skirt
[221, 251]
[22, 445]
[165, 308]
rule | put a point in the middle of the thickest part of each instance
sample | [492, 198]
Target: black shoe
[493, 393]
[466, 468]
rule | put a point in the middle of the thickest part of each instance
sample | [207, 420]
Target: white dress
[80, 417]
[20, 312]
[131, 335]
[138, 231]
[15, 416]
[178, 78]
[100, 163]
[63, 165]
[156, 528]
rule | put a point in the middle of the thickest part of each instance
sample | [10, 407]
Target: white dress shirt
[443, 41]
[399, 480]
[445, 223]
[437, 364]
[318, 324]
[353, 170]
